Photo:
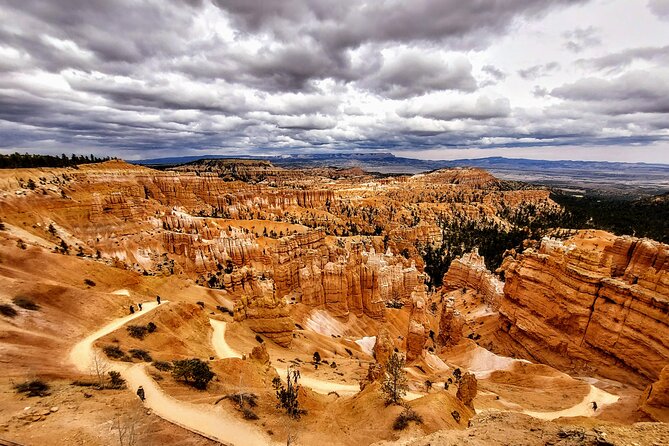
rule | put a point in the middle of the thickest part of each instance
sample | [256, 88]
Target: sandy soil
[205, 420]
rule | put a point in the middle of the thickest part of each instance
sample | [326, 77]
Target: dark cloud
[350, 23]
[415, 72]
[623, 59]
[494, 72]
[537, 71]
[481, 109]
[633, 92]
[581, 38]
[659, 8]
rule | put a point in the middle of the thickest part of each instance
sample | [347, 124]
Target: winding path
[223, 350]
[208, 421]
[582, 409]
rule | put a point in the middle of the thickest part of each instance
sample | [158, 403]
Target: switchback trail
[208, 421]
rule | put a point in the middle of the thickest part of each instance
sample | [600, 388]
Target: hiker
[132, 309]
[140, 393]
[140, 306]
[158, 299]
[594, 406]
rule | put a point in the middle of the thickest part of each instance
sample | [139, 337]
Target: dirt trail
[223, 350]
[582, 409]
[208, 421]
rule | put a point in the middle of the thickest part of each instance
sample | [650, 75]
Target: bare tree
[99, 367]
[125, 427]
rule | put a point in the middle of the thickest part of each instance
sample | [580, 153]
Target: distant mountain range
[624, 179]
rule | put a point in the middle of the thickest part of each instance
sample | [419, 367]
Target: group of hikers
[139, 305]
[140, 390]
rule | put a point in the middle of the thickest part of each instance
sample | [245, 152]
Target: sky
[432, 79]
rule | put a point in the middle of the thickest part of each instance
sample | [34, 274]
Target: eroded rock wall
[469, 271]
[595, 302]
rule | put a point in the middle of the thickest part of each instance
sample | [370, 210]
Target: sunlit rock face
[595, 301]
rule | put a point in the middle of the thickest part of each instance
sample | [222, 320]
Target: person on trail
[140, 306]
[132, 309]
[594, 406]
[158, 299]
[140, 393]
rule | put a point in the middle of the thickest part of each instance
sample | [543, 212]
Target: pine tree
[395, 382]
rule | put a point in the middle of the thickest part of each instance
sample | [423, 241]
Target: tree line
[646, 217]
[27, 160]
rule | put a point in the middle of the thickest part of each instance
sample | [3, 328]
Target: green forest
[26, 160]
[646, 217]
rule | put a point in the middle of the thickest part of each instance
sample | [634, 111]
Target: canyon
[276, 264]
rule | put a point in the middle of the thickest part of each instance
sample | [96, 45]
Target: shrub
[223, 309]
[193, 372]
[163, 366]
[249, 414]
[394, 385]
[287, 396]
[25, 303]
[200, 304]
[140, 354]
[89, 282]
[242, 398]
[259, 339]
[8, 310]
[113, 351]
[32, 388]
[403, 419]
[21, 244]
[115, 380]
[456, 415]
[151, 327]
[137, 331]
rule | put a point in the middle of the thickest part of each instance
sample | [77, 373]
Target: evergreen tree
[395, 385]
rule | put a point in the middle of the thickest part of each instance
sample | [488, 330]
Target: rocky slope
[594, 302]
[469, 271]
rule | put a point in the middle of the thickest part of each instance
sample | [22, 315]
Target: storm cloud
[146, 78]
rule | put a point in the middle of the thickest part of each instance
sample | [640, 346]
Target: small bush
[242, 398]
[456, 415]
[32, 388]
[193, 372]
[115, 380]
[113, 352]
[200, 304]
[223, 309]
[249, 414]
[163, 366]
[25, 303]
[8, 310]
[89, 282]
[403, 419]
[140, 354]
[259, 339]
[137, 331]
[151, 327]
[21, 244]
